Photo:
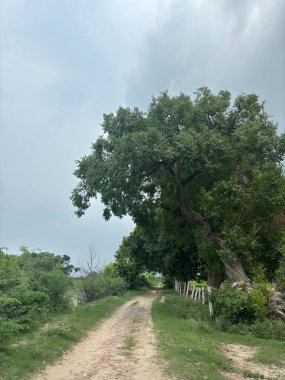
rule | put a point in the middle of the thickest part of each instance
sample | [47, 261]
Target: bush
[109, 286]
[234, 306]
[269, 329]
[63, 330]
[31, 285]
[186, 308]
[242, 306]
[7, 329]
[95, 286]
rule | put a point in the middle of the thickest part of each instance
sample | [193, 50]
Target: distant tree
[46, 273]
[130, 267]
[157, 252]
[89, 273]
[213, 163]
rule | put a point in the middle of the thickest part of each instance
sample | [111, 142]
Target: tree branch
[188, 179]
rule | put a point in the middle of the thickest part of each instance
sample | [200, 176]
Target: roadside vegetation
[32, 351]
[196, 346]
[44, 309]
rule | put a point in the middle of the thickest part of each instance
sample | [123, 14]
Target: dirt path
[121, 347]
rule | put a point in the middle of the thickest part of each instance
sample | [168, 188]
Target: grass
[38, 348]
[128, 345]
[191, 346]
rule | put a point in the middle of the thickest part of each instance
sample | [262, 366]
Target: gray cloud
[65, 63]
[224, 44]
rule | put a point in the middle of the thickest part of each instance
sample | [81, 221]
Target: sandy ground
[121, 347]
[241, 355]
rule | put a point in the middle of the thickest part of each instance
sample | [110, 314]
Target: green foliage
[156, 251]
[36, 349]
[209, 162]
[63, 329]
[110, 285]
[187, 308]
[31, 286]
[191, 347]
[246, 312]
[46, 273]
[129, 263]
[103, 284]
[154, 280]
[234, 306]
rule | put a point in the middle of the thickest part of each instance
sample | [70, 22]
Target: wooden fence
[197, 293]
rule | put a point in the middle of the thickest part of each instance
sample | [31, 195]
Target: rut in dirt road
[121, 347]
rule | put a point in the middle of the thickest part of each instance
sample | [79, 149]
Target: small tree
[89, 273]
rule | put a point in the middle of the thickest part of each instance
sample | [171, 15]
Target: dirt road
[121, 347]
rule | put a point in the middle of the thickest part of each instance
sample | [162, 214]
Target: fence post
[210, 302]
[203, 296]
[187, 290]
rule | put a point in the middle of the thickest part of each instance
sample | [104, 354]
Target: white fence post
[187, 290]
[210, 302]
[203, 296]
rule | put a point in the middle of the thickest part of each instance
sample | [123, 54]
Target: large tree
[214, 163]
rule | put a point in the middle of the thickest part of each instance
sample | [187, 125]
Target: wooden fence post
[210, 302]
[187, 290]
[203, 296]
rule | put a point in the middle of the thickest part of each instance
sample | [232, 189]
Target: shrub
[234, 306]
[109, 285]
[269, 329]
[7, 329]
[99, 285]
[31, 285]
[260, 300]
[63, 330]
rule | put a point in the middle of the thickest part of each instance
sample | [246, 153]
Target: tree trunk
[277, 304]
[215, 279]
[282, 275]
[234, 270]
[234, 267]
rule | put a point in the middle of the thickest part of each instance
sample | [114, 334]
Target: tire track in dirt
[104, 353]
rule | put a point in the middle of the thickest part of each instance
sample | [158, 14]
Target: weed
[252, 375]
[128, 344]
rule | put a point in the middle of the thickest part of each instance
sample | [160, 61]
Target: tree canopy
[213, 163]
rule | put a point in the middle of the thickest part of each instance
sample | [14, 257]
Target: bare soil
[241, 355]
[121, 347]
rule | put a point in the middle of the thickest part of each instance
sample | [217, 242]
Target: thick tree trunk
[277, 304]
[234, 267]
[215, 279]
[282, 274]
[234, 270]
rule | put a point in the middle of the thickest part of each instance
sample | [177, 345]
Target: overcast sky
[66, 62]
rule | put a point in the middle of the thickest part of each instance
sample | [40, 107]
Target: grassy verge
[38, 348]
[191, 347]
